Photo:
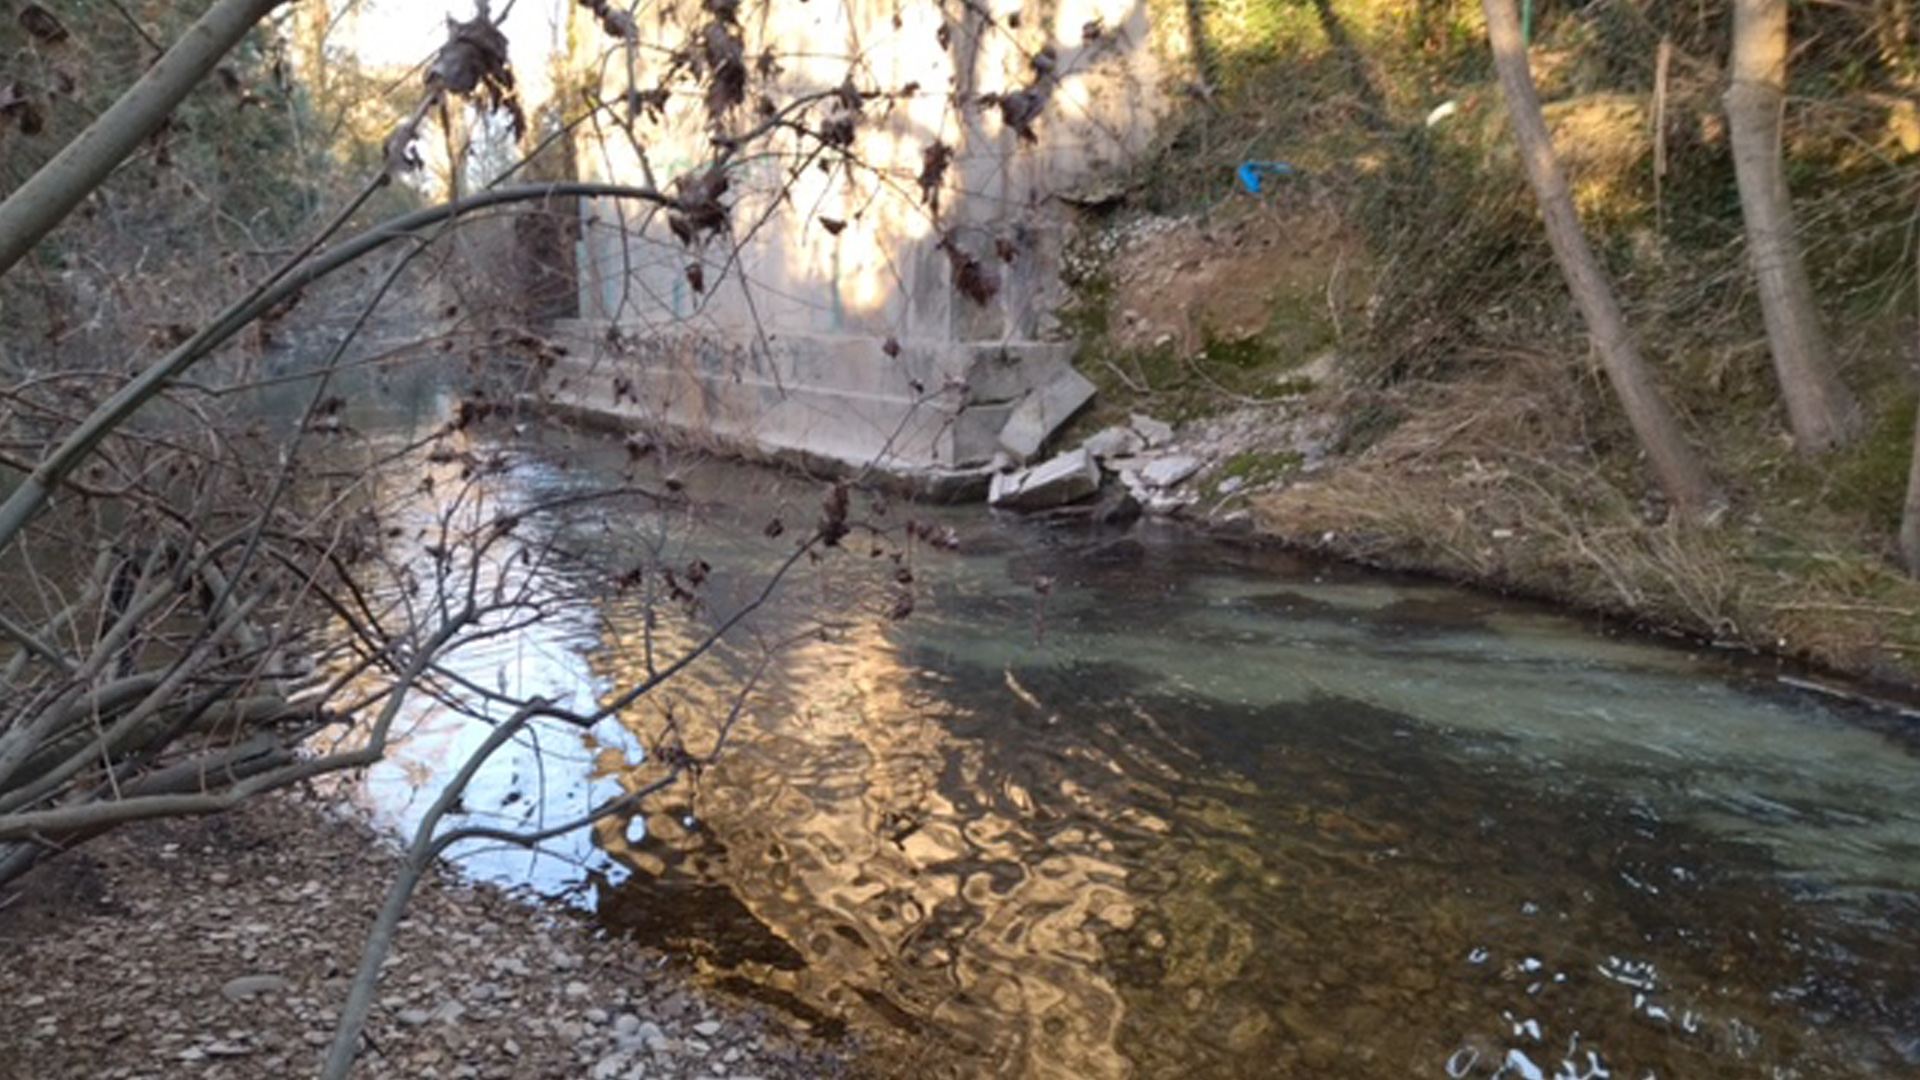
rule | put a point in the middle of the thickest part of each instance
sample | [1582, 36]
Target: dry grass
[1493, 480]
[1480, 443]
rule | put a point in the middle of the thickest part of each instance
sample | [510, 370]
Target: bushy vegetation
[1474, 408]
[254, 155]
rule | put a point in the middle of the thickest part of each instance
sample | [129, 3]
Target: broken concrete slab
[976, 434]
[1155, 432]
[1115, 442]
[1068, 478]
[1043, 410]
[1166, 472]
[1154, 497]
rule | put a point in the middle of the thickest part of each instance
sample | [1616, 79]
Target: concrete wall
[830, 321]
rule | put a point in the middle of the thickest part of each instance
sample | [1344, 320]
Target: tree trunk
[1675, 463]
[1820, 410]
[1910, 512]
[50, 194]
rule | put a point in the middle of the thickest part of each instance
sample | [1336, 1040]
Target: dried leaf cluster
[474, 64]
[617, 23]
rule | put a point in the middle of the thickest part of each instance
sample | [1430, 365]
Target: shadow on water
[1198, 813]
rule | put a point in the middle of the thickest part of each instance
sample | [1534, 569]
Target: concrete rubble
[1042, 410]
[1146, 465]
[1068, 478]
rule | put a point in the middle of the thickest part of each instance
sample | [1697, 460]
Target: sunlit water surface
[1192, 811]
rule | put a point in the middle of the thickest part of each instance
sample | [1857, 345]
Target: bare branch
[40, 204]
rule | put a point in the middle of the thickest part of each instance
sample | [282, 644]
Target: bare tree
[194, 629]
[43, 201]
[1822, 413]
[1677, 465]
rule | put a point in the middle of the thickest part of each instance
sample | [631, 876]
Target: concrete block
[1043, 410]
[1114, 442]
[1168, 471]
[1156, 432]
[976, 434]
[1068, 478]
[1004, 373]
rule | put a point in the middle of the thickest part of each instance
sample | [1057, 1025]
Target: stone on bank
[1068, 478]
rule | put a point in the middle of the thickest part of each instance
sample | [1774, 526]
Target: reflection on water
[1199, 813]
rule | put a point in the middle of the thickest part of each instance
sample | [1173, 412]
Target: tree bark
[1675, 463]
[50, 194]
[1819, 409]
[1910, 511]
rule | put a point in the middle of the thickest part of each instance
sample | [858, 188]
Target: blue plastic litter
[1250, 173]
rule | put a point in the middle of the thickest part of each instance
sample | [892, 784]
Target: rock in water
[1068, 478]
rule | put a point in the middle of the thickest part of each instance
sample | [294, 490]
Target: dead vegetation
[218, 947]
[1478, 439]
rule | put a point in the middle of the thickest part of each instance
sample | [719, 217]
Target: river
[1138, 804]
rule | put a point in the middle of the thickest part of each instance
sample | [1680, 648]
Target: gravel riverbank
[222, 948]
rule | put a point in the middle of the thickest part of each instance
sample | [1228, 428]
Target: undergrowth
[1478, 438]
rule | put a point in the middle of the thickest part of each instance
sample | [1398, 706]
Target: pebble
[473, 969]
[659, 1042]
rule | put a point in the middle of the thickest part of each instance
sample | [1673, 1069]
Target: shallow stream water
[1137, 804]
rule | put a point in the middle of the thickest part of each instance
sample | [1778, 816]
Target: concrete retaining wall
[826, 320]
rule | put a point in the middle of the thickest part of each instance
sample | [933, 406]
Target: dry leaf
[933, 172]
[40, 23]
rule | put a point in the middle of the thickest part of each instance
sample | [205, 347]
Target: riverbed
[1025, 802]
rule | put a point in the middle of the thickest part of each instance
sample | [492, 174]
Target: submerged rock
[1116, 506]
